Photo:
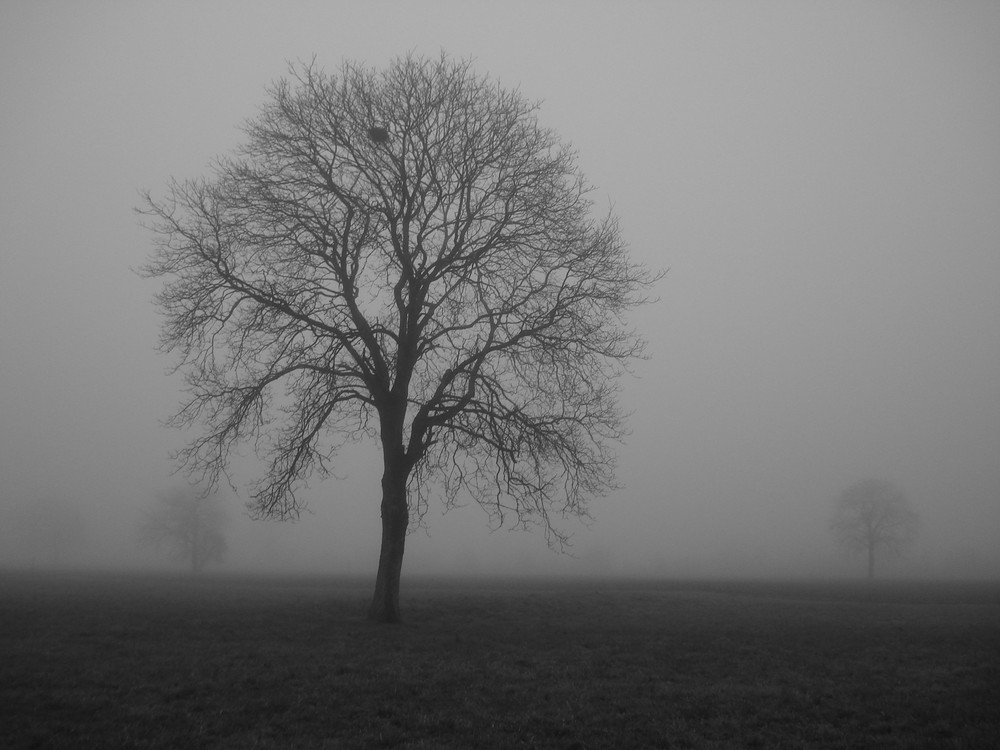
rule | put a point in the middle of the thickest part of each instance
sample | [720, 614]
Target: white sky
[821, 178]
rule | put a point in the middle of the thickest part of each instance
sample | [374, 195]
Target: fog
[821, 179]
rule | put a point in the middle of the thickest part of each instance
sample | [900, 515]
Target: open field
[109, 661]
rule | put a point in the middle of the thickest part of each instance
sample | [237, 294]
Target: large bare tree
[873, 514]
[405, 255]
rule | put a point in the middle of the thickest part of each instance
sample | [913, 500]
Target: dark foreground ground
[119, 661]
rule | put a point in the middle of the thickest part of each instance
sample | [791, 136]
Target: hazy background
[821, 178]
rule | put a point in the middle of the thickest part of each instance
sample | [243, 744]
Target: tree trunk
[395, 519]
[871, 560]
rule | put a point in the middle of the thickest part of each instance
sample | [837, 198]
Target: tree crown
[189, 524]
[404, 254]
[874, 513]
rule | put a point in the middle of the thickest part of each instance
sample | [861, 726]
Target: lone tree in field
[189, 524]
[404, 255]
[872, 514]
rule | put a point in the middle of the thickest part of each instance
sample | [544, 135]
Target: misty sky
[822, 180]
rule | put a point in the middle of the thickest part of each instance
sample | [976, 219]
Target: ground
[101, 660]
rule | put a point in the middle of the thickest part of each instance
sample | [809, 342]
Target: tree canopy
[405, 255]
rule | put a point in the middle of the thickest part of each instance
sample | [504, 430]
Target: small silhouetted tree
[404, 255]
[873, 514]
[188, 524]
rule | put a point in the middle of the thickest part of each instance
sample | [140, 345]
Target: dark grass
[228, 662]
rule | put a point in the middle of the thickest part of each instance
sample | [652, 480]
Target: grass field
[126, 661]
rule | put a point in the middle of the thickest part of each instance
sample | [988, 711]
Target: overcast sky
[822, 180]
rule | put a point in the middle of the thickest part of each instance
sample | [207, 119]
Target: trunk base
[383, 613]
[395, 518]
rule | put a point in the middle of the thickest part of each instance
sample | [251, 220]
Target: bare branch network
[404, 255]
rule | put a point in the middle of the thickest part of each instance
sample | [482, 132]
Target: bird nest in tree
[377, 134]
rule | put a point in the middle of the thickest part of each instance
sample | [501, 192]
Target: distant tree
[873, 514]
[189, 525]
[403, 255]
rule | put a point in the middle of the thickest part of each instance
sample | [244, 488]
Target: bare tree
[404, 255]
[872, 514]
[189, 525]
